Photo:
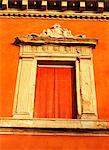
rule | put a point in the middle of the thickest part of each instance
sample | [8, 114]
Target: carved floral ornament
[56, 31]
[55, 35]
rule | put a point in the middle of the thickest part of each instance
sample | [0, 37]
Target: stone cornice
[59, 127]
[64, 42]
[58, 9]
[55, 15]
[62, 5]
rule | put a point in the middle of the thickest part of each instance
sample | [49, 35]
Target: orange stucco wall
[10, 28]
[9, 54]
[28, 142]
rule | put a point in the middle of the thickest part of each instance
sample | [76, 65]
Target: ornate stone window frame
[60, 45]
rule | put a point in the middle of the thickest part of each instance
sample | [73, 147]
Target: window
[55, 95]
[55, 79]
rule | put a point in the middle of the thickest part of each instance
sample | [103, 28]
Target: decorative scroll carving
[56, 35]
[56, 31]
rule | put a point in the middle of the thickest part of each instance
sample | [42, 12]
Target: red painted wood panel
[55, 95]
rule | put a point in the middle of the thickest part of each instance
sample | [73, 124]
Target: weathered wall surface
[10, 28]
[19, 142]
[9, 54]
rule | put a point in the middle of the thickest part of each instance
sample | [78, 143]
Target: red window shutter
[55, 93]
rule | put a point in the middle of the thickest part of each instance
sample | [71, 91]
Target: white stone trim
[79, 108]
[88, 98]
[44, 3]
[64, 3]
[25, 86]
[25, 2]
[54, 123]
[82, 4]
[5, 2]
[101, 4]
[81, 55]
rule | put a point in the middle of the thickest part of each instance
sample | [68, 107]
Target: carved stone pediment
[55, 35]
[56, 31]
